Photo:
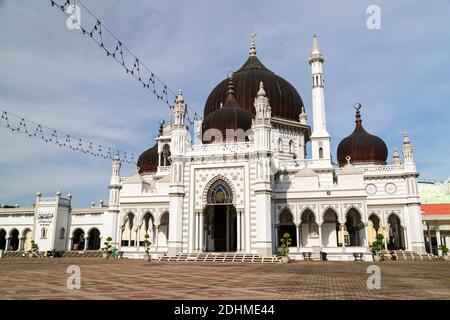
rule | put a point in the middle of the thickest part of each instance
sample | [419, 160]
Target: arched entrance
[78, 239]
[220, 219]
[355, 228]
[309, 229]
[287, 226]
[2, 239]
[27, 236]
[330, 228]
[14, 240]
[94, 239]
[373, 228]
[396, 237]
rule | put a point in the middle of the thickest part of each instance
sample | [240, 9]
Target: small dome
[228, 116]
[361, 146]
[148, 160]
[284, 99]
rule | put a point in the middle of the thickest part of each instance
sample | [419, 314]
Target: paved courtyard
[25, 278]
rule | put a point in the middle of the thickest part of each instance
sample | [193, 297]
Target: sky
[58, 77]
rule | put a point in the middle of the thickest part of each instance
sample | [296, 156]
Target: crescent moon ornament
[357, 106]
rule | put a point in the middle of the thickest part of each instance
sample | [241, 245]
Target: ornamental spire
[252, 51]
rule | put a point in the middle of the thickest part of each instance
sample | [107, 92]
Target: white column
[366, 233]
[405, 238]
[438, 239]
[320, 234]
[19, 248]
[242, 231]
[196, 231]
[86, 243]
[202, 230]
[156, 235]
[70, 244]
[297, 226]
[430, 245]
[138, 237]
[385, 238]
[277, 240]
[238, 229]
[343, 235]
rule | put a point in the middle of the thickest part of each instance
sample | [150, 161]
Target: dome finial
[261, 91]
[252, 51]
[358, 114]
[231, 94]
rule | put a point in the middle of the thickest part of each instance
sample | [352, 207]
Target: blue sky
[58, 77]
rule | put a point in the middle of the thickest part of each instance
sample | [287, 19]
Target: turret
[320, 138]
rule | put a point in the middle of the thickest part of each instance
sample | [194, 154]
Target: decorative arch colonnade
[330, 229]
[82, 240]
[15, 240]
[135, 224]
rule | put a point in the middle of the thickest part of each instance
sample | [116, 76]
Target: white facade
[241, 196]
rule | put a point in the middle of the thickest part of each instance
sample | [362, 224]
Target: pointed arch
[216, 180]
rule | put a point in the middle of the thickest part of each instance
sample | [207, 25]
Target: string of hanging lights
[18, 124]
[115, 48]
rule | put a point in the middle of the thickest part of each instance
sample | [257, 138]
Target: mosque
[247, 182]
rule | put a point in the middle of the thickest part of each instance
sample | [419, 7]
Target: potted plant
[285, 243]
[107, 248]
[33, 252]
[376, 247]
[444, 250]
[147, 244]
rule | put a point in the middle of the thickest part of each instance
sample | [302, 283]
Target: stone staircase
[230, 257]
[410, 255]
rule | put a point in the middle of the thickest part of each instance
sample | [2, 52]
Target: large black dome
[284, 99]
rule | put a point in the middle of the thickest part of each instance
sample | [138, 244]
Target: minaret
[179, 141]
[412, 209]
[396, 157]
[111, 216]
[262, 187]
[320, 138]
[114, 185]
[407, 150]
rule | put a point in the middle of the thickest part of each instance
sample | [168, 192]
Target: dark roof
[229, 116]
[148, 160]
[362, 147]
[283, 98]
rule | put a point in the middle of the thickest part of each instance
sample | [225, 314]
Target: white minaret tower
[179, 141]
[320, 138]
[111, 216]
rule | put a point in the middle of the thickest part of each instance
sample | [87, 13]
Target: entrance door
[220, 228]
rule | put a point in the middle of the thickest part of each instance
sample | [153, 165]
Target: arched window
[219, 194]
[280, 145]
[44, 233]
[320, 153]
[166, 155]
[291, 146]
[62, 233]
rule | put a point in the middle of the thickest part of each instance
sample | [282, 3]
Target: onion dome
[229, 116]
[284, 99]
[361, 146]
[148, 160]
